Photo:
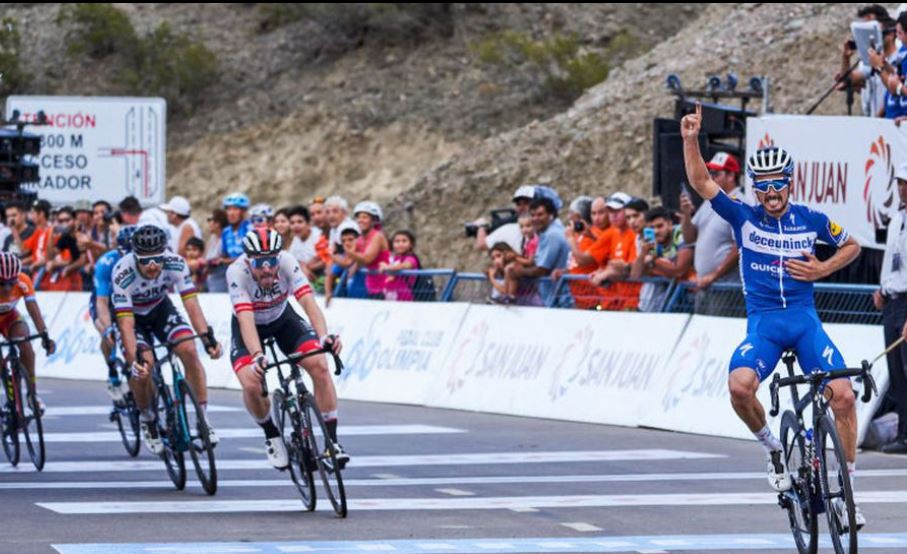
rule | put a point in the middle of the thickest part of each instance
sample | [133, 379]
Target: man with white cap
[178, 212]
[715, 253]
[510, 232]
[891, 299]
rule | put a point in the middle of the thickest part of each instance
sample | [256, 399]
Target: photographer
[509, 232]
[866, 78]
[64, 260]
[662, 253]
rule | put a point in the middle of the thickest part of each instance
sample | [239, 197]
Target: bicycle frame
[13, 393]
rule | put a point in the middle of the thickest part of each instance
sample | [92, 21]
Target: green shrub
[12, 77]
[556, 65]
[97, 30]
[171, 65]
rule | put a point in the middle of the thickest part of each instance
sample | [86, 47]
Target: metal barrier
[416, 285]
[835, 303]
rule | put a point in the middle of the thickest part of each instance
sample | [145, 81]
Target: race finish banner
[97, 148]
[844, 166]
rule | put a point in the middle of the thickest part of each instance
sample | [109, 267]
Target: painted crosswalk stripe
[582, 527]
[253, 433]
[685, 543]
[462, 503]
[105, 410]
[391, 480]
[491, 458]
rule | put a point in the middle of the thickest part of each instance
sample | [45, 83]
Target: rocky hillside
[413, 119]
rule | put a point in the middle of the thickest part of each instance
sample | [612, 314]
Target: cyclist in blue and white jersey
[778, 265]
[99, 307]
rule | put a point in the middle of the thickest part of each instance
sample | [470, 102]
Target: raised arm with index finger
[697, 172]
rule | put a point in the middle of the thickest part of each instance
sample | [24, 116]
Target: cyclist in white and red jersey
[260, 283]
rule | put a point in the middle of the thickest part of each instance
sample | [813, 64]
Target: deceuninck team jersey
[266, 304]
[134, 294]
[765, 243]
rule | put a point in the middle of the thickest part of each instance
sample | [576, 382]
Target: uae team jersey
[765, 243]
[266, 304]
[134, 294]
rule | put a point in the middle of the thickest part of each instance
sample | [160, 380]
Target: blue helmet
[236, 200]
[124, 239]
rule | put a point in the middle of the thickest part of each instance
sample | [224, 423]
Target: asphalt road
[421, 480]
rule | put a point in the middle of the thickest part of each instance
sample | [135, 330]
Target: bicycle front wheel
[294, 435]
[798, 500]
[10, 421]
[836, 488]
[322, 449]
[127, 420]
[195, 426]
[30, 419]
[168, 428]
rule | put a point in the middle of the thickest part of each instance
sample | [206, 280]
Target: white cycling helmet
[769, 161]
[370, 208]
[261, 210]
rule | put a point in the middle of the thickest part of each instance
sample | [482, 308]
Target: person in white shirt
[178, 212]
[510, 232]
[305, 237]
[891, 299]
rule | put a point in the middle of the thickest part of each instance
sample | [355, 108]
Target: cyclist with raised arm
[778, 266]
[141, 281]
[14, 286]
[99, 308]
[260, 283]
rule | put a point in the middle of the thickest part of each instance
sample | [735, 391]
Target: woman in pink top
[371, 247]
[402, 258]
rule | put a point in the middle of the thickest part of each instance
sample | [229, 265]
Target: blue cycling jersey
[766, 242]
[231, 239]
[103, 273]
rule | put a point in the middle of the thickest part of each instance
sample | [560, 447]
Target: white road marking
[253, 433]
[105, 410]
[491, 458]
[455, 492]
[472, 503]
[582, 527]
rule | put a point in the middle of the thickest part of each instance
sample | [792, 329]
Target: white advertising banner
[97, 148]
[844, 166]
[561, 364]
[690, 394]
[392, 351]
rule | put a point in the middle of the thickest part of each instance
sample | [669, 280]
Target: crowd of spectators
[59, 246]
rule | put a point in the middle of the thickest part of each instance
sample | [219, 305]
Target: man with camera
[487, 234]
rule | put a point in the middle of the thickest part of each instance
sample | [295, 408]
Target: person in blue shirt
[776, 240]
[99, 308]
[236, 205]
[552, 253]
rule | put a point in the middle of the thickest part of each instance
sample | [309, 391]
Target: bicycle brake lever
[337, 364]
[773, 388]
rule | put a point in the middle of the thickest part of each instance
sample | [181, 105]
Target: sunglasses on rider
[8, 282]
[263, 263]
[148, 260]
[776, 185]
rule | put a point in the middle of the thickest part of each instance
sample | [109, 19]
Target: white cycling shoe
[778, 476]
[277, 453]
[841, 511]
[152, 439]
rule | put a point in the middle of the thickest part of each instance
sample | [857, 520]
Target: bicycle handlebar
[817, 377]
[20, 340]
[295, 358]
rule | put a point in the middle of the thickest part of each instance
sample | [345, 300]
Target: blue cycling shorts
[770, 333]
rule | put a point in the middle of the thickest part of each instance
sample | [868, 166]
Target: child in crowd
[501, 253]
[195, 259]
[400, 258]
[524, 259]
[354, 287]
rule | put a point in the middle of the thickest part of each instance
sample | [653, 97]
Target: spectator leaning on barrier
[635, 212]
[616, 250]
[401, 257]
[581, 233]
[217, 272]
[20, 228]
[35, 247]
[179, 212]
[864, 78]
[715, 252]
[64, 259]
[509, 232]
[355, 280]
[501, 254]
[370, 246]
[522, 259]
[552, 252]
[891, 299]
[661, 254]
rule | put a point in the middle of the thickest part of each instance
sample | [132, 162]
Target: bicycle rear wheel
[30, 415]
[195, 426]
[10, 422]
[294, 436]
[836, 488]
[322, 449]
[167, 427]
[127, 420]
[798, 500]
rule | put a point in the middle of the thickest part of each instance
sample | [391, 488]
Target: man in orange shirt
[615, 250]
[586, 222]
[36, 246]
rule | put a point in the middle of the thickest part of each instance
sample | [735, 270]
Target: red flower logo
[878, 188]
